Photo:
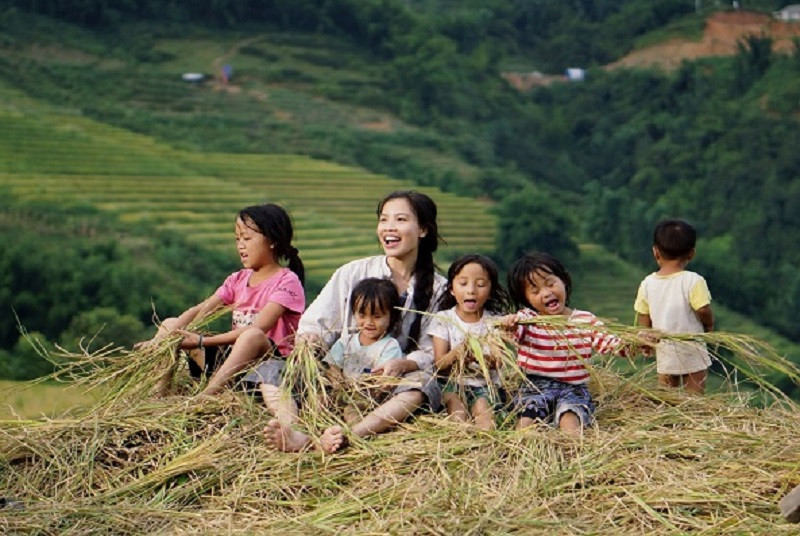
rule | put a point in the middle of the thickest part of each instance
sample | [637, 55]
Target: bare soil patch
[721, 37]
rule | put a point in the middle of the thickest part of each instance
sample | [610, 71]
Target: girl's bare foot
[332, 439]
[285, 439]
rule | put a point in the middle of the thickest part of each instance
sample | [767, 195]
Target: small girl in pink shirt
[267, 301]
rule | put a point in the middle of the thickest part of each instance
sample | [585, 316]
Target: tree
[25, 360]
[534, 220]
[101, 327]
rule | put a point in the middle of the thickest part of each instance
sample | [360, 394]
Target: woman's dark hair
[498, 302]
[675, 239]
[274, 222]
[376, 294]
[519, 275]
[425, 210]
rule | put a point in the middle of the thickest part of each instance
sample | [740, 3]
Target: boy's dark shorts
[547, 400]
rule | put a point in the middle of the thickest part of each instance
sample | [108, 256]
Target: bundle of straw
[736, 353]
[657, 462]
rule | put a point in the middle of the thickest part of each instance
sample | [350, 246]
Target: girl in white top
[408, 232]
[474, 297]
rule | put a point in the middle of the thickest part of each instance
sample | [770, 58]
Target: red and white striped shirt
[560, 352]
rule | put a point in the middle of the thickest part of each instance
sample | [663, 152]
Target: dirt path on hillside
[721, 36]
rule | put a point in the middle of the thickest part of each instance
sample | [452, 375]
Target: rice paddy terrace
[58, 156]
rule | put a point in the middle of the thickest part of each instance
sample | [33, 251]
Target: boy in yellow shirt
[675, 300]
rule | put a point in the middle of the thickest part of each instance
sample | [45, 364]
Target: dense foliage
[715, 142]
[70, 277]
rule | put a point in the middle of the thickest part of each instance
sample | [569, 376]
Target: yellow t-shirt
[671, 302]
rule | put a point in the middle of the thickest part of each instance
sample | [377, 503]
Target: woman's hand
[396, 367]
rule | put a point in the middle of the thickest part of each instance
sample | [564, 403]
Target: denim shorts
[547, 400]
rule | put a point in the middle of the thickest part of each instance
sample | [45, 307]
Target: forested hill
[714, 141]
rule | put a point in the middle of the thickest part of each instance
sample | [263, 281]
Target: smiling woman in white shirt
[408, 233]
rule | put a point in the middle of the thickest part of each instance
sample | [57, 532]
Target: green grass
[31, 401]
[290, 93]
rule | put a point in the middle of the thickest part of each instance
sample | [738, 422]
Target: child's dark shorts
[213, 357]
[547, 400]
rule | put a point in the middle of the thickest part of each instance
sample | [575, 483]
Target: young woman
[408, 233]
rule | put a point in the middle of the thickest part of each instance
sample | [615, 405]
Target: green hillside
[116, 175]
[101, 117]
[53, 156]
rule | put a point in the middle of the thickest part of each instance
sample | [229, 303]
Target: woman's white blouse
[329, 314]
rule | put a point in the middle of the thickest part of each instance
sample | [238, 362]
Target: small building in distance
[575, 74]
[788, 13]
[193, 77]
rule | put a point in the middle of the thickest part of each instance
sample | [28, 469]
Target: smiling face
[398, 230]
[471, 288]
[372, 323]
[253, 247]
[546, 293]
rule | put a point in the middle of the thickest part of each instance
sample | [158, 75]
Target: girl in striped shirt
[553, 357]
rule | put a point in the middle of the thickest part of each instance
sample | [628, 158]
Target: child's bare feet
[332, 439]
[285, 439]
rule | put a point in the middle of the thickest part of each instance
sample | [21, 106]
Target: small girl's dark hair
[274, 222]
[498, 302]
[376, 294]
[519, 275]
[674, 238]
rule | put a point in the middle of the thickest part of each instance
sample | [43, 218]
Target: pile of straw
[658, 461]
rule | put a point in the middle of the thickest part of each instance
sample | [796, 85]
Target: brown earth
[721, 36]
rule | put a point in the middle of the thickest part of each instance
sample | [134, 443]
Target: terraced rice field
[48, 154]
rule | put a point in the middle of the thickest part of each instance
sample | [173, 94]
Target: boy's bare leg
[279, 431]
[456, 409]
[249, 346]
[483, 413]
[669, 380]
[569, 422]
[695, 382]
